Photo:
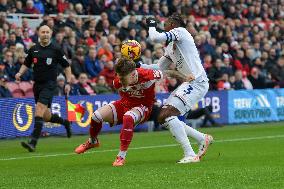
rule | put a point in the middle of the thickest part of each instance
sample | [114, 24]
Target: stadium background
[240, 45]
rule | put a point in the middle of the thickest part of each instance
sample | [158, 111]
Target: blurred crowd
[240, 41]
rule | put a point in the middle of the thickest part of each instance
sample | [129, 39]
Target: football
[131, 49]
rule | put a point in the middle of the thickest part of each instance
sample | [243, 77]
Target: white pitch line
[143, 147]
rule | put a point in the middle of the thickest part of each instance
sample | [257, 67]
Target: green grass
[242, 157]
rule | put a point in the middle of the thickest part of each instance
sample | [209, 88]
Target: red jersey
[142, 92]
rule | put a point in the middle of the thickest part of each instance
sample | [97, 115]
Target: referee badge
[48, 61]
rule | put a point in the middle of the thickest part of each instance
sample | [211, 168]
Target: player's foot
[86, 146]
[28, 146]
[203, 146]
[119, 161]
[67, 126]
[189, 159]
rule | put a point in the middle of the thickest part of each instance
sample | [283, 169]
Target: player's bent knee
[133, 115]
[97, 117]
[162, 116]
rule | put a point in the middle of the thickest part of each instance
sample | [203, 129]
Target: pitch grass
[245, 156]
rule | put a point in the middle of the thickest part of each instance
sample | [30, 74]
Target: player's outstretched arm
[156, 36]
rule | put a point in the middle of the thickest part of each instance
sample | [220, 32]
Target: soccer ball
[131, 49]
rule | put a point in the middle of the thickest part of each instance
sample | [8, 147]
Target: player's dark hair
[124, 66]
[177, 19]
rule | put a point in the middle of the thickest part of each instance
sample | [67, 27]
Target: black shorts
[44, 92]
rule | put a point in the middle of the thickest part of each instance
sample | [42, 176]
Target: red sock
[95, 128]
[126, 132]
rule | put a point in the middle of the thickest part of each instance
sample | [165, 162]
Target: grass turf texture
[244, 156]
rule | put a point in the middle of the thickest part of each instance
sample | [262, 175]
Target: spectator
[39, 6]
[96, 7]
[223, 83]
[50, 7]
[277, 71]
[60, 85]
[78, 65]
[215, 73]
[257, 81]
[62, 5]
[85, 88]
[101, 86]
[109, 73]
[30, 9]
[247, 83]
[92, 65]
[27, 76]
[79, 9]
[113, 14]
[4, 92]
[106, 50]
[10, 68]
[4, 6]
[239, 84]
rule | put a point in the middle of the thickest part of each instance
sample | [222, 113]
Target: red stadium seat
[26, 86]
[12, 86]
[29, 94]
[18, 93]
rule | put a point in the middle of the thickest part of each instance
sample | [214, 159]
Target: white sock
[177, 129]
[193, 133]
[122, 154]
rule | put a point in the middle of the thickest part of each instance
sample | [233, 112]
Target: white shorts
[187, 95]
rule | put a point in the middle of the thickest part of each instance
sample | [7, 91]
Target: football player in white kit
[181, 51]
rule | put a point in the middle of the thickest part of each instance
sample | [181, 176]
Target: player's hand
[151, 22]
[18, 77]
[67, 88]
[190, 78]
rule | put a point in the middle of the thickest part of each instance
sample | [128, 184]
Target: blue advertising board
[246, 106]
[17, 114]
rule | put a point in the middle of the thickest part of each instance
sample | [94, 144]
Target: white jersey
[181, 50]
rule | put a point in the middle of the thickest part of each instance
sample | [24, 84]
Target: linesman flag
[75, 112]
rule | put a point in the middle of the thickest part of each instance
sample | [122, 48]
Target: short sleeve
[29, 58]
[63, 59]
[153, 74]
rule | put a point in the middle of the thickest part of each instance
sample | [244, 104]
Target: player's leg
[42, 99]
[168, 118]
[103, 114]
[189, 95]
[39, 112]
[130, 119]
[54, 118]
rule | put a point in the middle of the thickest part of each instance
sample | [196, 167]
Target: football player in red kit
[136, 88]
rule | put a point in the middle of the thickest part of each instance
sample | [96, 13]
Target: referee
[44, 58]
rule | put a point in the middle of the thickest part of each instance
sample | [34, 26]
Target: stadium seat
[26, 86]
[29, 94]
[18, 93]
[14, 88]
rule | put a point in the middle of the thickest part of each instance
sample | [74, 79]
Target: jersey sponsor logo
[35, 51]
[136, 94]
[48, 61]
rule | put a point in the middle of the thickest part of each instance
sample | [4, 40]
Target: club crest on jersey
[48, 61]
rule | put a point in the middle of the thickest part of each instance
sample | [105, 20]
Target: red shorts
[119, 111]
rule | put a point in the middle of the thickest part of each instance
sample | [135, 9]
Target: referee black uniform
[44, 61]
[44, 58]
